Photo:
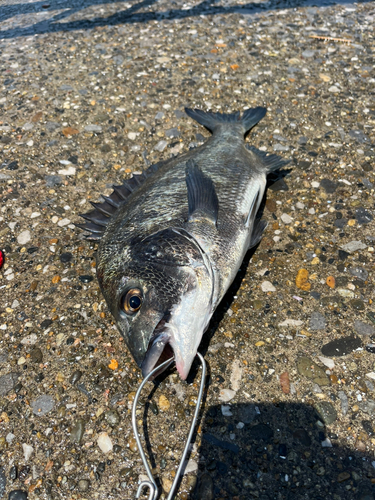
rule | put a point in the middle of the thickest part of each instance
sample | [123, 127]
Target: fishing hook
[151, 484]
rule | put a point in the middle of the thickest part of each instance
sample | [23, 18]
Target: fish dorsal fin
[202, 197]
[97, 219]
[270, 162]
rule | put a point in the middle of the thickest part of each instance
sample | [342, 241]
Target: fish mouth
[159, 349]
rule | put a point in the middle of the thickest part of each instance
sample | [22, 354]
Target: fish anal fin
[257, 232]
[202, 198]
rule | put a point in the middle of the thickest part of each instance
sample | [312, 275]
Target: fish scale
[172, 239]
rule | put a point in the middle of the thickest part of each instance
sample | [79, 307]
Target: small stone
[17, 495]
[112, 417]
[36, 355]
[163, 403]
[363, 216]
[285, 383]
[56, 279]
[8, 382]
[66, 257]
[42, 405]
[357, 304]
[343, 476]
[307, 368]
[83, 485]
[53, 180]
[328, 185]
[331, 281]
[341, 346]
[68, 171]
[24, 237]
[359, 273]
[301, 280]
[104, 442]
[205, 489]
[344, 402]
[363, 328]
[161, 145]
[287, 219]
[133, 444]
[328, 362]
[27, 451]
[75, 377]
[77, 431]
[86, 278]
[317, 321]
[226, 395]
[267, 286]
[93, 128]
[226, 411]
[353, 246]
[29, 339]
[326, 411]
[261, 432]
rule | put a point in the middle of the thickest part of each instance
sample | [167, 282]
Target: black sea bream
[173, 238]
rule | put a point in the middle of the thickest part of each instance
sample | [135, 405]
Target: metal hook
[153, 495]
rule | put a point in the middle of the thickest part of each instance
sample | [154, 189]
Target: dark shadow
[132, 14]
[276, 452]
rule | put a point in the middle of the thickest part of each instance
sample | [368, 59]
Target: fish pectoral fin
[202, 198]
[270, 162]
[257, 233]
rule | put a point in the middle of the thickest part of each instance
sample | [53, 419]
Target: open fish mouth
[159, 349]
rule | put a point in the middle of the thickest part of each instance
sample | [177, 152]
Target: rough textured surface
[92, 92]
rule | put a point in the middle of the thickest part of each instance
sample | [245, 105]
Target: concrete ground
[92, 91]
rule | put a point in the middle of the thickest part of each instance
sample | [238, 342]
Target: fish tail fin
[213, 121]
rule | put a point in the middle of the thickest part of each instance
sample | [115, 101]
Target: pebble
[29, 339]
[317, 321]
[112, 417]
[226, 410]
[132, 444]
[42, 405]
[163, 403]
[236, 375]
[8, 382]
[363, 328]
[93, 128]
[104, 442]
[28, 450]
[3, 481]
[357, 304]
[341, 346]
[83, 485]
[301, 280]
[267, 286]
[24, 237]
[344, 402]
[75, 377]
[205, 489]
[77, 431]
[307, 368]
[68, 171]
[326, 411]
[226, 395]
[328, 185]
[328, 362]
[17, 495]
[359, 273]
[161, 145]
[285, 383]
[53, 180]
[353, 246]
[287, 219]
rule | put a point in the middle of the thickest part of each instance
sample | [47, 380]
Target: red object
[1, 258]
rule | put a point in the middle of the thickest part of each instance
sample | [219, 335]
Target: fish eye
[132, 301]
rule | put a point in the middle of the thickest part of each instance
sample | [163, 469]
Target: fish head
[160, 293]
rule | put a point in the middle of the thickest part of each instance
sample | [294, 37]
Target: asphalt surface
[91, 92]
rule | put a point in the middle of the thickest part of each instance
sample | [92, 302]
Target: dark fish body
[173, 238]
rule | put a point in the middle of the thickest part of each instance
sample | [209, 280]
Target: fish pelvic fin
[257, 233]
[270, 162]
[202, 198]
[213, 121]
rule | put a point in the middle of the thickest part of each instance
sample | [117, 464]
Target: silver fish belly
[172, 239]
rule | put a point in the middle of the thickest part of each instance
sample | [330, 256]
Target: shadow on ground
[54, 12]
[277, 452]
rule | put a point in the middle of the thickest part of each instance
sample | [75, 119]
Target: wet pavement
[91, 92]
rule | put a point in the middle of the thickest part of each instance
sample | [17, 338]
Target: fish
[172, 239]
